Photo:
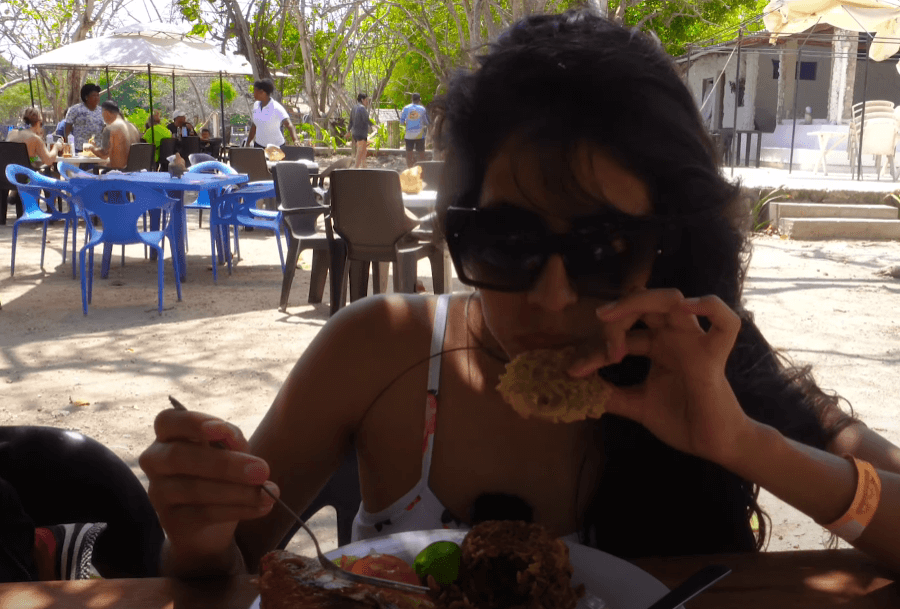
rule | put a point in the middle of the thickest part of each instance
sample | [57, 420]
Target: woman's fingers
[724, 322]
[636, 342]
[177, 491]
[173, 425]
[199, 461]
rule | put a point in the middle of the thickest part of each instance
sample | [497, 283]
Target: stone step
[782, 209]
[812, 229]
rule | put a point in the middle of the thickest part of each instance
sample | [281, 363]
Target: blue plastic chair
[119, 204]
[218, 230]
[33, 188]
[235, 206]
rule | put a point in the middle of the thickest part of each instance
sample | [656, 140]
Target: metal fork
[326, 564]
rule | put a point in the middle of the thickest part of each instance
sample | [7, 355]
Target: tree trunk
[843, 75]
[787, 88]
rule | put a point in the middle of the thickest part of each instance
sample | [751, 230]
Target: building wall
[884, 81]
[813, 93]
[709, 66]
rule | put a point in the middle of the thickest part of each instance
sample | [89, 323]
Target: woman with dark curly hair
[613, 235]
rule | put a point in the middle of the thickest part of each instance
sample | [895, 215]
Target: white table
[81, 160]
[311, 165]
[826, 145]
[420, 203]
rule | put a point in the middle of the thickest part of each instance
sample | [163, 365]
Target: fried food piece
[289, 581]
[508, 563]
[536, 385]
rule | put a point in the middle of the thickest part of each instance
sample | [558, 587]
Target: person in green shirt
[156, 133]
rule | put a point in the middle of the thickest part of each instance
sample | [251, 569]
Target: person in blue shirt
[415, 120]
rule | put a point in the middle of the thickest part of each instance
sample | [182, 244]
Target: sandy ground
[225, 349]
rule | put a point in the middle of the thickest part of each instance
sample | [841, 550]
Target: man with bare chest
[116, 138]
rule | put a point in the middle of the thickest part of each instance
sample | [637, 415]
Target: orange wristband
[868, 493]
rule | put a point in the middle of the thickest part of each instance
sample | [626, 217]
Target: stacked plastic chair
[218, 227]
[34, 187]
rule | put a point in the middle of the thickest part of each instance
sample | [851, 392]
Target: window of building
[807, 69]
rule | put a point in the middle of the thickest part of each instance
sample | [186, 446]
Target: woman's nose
[553, 290]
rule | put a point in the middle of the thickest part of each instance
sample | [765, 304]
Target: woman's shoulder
[400, 317]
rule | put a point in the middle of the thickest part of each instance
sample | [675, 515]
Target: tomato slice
[386, 566]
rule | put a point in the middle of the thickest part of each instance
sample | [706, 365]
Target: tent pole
[30, 86]
[108, 83]
[737, 91]
[862, 118]
[150, 89]
[173, 93]
[796, 96]
[222, 109]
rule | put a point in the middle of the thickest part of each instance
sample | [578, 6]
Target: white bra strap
[434, 382]
[437, 343]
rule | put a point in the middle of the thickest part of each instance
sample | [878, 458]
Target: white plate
[619, 583]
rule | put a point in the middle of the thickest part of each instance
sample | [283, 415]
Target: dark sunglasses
[505, 248]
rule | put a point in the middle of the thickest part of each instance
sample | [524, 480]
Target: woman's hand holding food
[686, 400]
[201, 492]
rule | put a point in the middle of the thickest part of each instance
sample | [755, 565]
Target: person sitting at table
[33, 136]
[616, 236]
[68, 503]
[270, 119]
[156, 133]
[180, 127]
[116, 139]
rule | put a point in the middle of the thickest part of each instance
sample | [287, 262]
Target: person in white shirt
[269, 118]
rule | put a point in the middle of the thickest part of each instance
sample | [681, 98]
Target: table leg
[747, 150]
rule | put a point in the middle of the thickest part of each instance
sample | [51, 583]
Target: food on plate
[536, 384]
[274, 153]
[88, 153]
[507, 563]
[439, 560]
[411, 180]
[288, 581]
[385, 566]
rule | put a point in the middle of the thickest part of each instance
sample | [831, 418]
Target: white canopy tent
[879, 16]
[158, 48]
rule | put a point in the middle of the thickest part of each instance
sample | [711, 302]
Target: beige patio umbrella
[879, 16]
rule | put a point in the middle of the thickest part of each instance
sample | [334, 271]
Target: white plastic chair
[879, 137]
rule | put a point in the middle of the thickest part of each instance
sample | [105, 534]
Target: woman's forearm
[822, 486]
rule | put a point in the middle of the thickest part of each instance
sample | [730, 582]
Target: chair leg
[339, 277]
[201, 219]
[215, 235]
[378, 271]
[318, 276]
[289, 271]
[436, 257]
[84, 300]
[74, 240]
[280, 252]
[405, 273]
[176, 266]
[106, 260]
[4, 204]
[12, 263]
[359, 279]
[160, 270]
[43, 242]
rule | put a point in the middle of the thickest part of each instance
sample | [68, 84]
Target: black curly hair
[557, 82]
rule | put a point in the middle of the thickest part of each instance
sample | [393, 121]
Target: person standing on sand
[359, 128]
[415, 120]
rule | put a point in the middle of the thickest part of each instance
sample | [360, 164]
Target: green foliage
[239, 120]
[216, 93]
[13, 102]
[137, 117]
[380, 138]
[761, 207]
[674, 23]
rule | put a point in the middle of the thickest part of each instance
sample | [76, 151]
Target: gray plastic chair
[431, 173]
[296, 153]
[300, 209]
[367, 212]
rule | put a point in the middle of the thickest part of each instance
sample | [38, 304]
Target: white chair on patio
[879, 136]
